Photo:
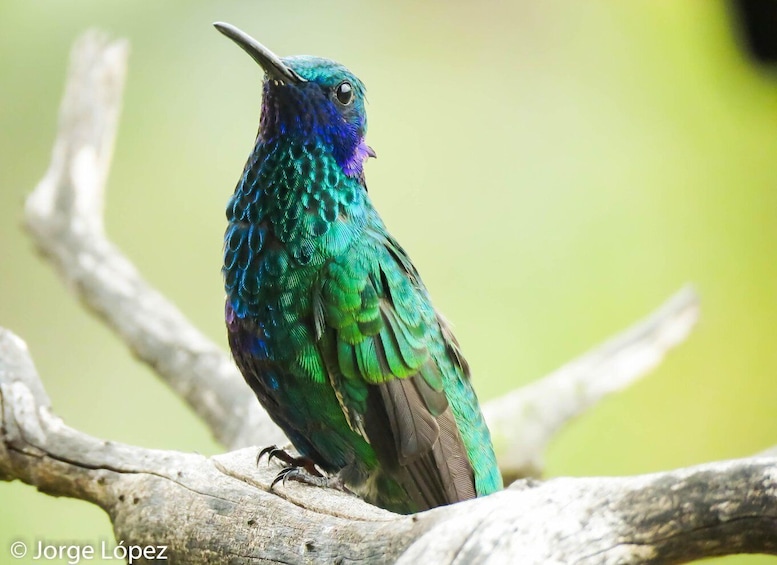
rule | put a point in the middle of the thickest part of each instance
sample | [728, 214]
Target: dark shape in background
[756, 27]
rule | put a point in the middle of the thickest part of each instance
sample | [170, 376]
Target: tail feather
[420, 448]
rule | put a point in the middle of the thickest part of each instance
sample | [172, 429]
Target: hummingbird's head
[312, 99]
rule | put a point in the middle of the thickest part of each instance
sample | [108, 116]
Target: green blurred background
[556, 169]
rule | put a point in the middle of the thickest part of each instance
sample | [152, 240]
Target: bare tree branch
[220, 509]
[525, 420]
[674, 517]
[65, 217]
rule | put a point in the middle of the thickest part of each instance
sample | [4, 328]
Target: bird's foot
[275, 452]
[299, 475]
[300, 469]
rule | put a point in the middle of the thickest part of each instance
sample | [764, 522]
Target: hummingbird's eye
[344, 93]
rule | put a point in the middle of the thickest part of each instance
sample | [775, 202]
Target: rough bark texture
[221, 509]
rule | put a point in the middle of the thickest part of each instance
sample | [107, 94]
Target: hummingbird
[327, 318]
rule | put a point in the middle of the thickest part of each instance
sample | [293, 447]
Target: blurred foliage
[556, 169]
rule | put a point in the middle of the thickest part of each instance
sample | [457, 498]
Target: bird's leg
[275, 452]
[299, 475]
[300, 469]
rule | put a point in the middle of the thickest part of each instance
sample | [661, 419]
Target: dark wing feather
[387, 376]
[426, 449]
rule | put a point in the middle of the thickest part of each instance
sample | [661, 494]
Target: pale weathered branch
[523, 421]
[674, 517]
[64, 215]
[219, 509]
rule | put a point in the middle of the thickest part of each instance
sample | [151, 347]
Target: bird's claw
[299, 474]
[275, 452]
[272, 451]
[299, 469]
[286, 474]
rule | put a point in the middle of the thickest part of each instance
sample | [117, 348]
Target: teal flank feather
[327, 318]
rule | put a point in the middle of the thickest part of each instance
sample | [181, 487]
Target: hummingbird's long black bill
[268, 60]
